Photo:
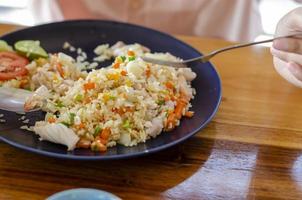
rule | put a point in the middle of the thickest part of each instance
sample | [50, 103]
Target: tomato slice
[12, 65]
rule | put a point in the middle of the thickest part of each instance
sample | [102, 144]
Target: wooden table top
[251, 150]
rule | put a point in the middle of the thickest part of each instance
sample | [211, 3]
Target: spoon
[206, 58]
[13, 99]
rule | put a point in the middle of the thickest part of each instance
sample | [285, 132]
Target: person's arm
[75, 9]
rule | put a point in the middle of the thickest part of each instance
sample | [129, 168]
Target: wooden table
[251, 150]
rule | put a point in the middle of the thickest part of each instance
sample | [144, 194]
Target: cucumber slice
[4, 46]
[30, 49]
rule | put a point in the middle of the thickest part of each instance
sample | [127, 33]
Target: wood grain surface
[251, 150]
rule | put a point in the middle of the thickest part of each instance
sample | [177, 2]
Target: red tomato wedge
[12, 65]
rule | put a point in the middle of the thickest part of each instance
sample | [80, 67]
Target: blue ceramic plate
[87, 34]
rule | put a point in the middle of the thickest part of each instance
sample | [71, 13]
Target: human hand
[287, 52]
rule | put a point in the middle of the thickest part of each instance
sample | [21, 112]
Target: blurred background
[34, 12]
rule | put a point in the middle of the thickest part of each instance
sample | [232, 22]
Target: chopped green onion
[131, 58]
[126, 124]
[97, 131]
[167, 113]
[65, 123]
[71, 118]
[160, 102]
[78, 97]
[112, 97]
[164, 91]
[123, 58]
[59, 104]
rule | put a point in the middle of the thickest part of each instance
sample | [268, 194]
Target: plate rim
[129, 155]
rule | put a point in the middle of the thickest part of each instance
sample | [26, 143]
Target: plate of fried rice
[91, 96]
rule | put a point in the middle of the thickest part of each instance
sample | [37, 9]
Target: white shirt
[235, 20]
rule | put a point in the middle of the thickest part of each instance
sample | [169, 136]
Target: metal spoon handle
[207, 57]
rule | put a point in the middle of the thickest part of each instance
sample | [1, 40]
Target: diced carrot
[184, 97]
[60, 70]
[80, 126]
[105, 133]
[87, 100]
[148, 71]
[131, 53]
[116, 65]
[170, 123]
[172, 97]
[97, 145]
[103, 141]
[102, 147]
[84, 143]
[171, 117]
[182, 100]
[117, 110]
[89, 86]
[189, 114]
[123, 110]
[179, 108]
[129, 109]
[167, 98]
[169, 85]
[123, 73]
[51, 120]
